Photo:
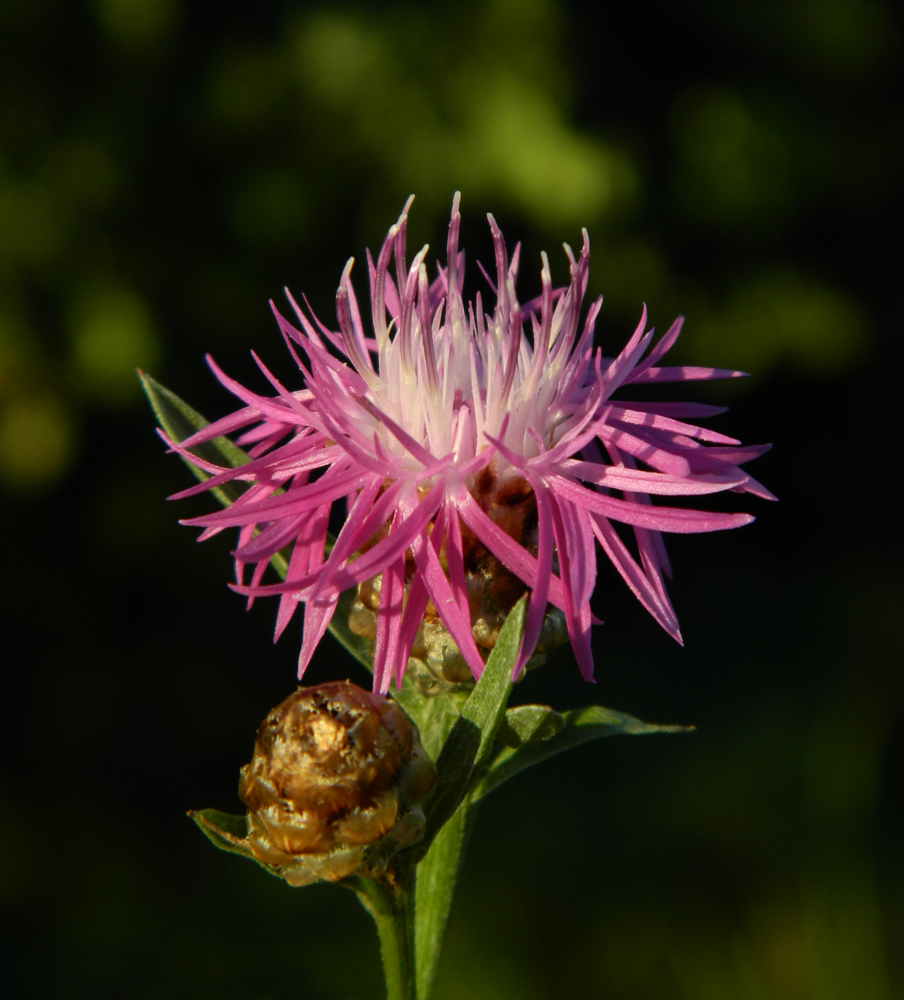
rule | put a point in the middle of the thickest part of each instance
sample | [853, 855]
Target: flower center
[492, 589]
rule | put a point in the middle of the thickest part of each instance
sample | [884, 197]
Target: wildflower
[334, 784]
[476, 461]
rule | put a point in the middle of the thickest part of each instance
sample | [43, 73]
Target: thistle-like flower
[476, 461]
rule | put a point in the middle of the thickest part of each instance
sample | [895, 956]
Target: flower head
[334, 784]
[479, 454]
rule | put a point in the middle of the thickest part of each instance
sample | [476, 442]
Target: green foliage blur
[165, 168]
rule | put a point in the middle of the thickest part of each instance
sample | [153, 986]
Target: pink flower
[464, 447]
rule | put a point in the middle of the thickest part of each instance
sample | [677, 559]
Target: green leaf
[461, 758]
[486, 705]
[437, 874]
[180, 421]
[227, 832]
[528, 724]
[579, 726]
[434, 715]
[470, 739]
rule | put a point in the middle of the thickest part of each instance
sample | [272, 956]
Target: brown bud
[333, 787]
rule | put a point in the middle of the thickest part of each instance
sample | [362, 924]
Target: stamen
[356, 354]
[406, 336]
[423, 303]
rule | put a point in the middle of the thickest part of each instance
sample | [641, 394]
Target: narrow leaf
[435, 715]
[179, 421]
[437, 874]
[528, 724]
[486, 705]
[580, 726]
[227, 832]
[470, 740]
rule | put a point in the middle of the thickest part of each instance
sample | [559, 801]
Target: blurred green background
[165, 168]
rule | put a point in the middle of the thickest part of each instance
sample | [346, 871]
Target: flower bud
[434, 662]
[334, 784]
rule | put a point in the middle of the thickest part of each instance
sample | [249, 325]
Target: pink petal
[673, 519]
[659, 483]
[513, 556]
[536, 607]
[632, 574]
[457, 624]
[577, 564]
[661, 422]
[683, 373]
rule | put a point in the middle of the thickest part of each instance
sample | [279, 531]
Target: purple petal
[536, 607]
[577, 564]
[457, 624]
[513, 556]
[662, 484]
[659, 421]
[673, 519]
[683, 373]
[632, 574]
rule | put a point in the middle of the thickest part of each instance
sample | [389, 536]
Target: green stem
[392, 907]
[411, 911]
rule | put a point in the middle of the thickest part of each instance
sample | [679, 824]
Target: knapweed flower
[479, 455]
[335, 784]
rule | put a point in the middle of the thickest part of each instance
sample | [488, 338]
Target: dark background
[165, 168]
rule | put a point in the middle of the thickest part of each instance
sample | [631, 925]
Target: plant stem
[392, 907]
[411, 911]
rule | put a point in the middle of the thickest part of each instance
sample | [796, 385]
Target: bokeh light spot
[783, 317]
[112, 335]
[339, 56]
[37, 441]
[30, 228]
[520, 144]
[492, 128]
[735, 167]
[841, 38]
[137, 22]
